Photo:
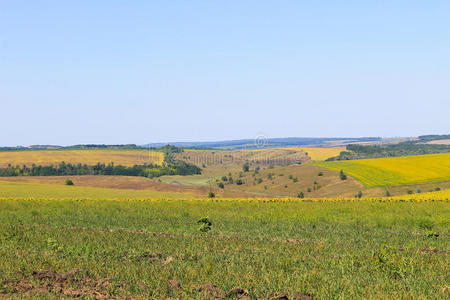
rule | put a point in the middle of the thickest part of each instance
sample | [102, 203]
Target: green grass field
[154, 249]
[396, 170]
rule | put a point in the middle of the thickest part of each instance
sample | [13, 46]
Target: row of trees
[146, 170]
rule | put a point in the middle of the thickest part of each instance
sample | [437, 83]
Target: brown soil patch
[73, 283]
[211, 291]
[174, 284]
[114, 182]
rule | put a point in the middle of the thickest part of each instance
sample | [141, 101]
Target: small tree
[342, 175]
[246, 167]
[301, 195]
[320, 174]
[211, 195]
[68, 182]
[220, 185]
[359, 195]
[239, 182]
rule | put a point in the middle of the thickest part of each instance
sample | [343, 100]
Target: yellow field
[320, 154]
[89, 157]
[53, 191]
[396, 170]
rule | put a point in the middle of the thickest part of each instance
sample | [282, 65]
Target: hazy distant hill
[272, 142]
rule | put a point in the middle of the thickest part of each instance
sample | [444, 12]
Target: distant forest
[389, 150]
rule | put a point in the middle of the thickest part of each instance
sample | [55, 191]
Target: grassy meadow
[154, 248]
[396, 170]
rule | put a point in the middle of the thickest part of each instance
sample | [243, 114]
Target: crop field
[396, 170]
[319, 154]
[266, 156]
[54, 191]
[113, 182]
[89, 157]
[154, 248]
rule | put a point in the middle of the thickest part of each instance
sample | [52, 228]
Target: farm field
[89, 157]
[113, 182]
[57, 191]
[320, 154]
[109, 248]
[396, 170]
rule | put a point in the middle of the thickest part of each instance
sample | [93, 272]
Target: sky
[117, 72]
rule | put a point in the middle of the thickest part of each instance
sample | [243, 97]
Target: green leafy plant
[205, 224]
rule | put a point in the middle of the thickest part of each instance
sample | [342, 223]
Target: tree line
[63, 168]
[355, 151]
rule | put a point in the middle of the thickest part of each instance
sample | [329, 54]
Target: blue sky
[112, 72]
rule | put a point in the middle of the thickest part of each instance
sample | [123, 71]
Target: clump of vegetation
[301, 195]
[342, 175]
[221, 185]
[211, 195]
[320, 174]
[205, 224]
[68, 182]
[239, 182]
[246, 166]
[295, 179]
[359, 194]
